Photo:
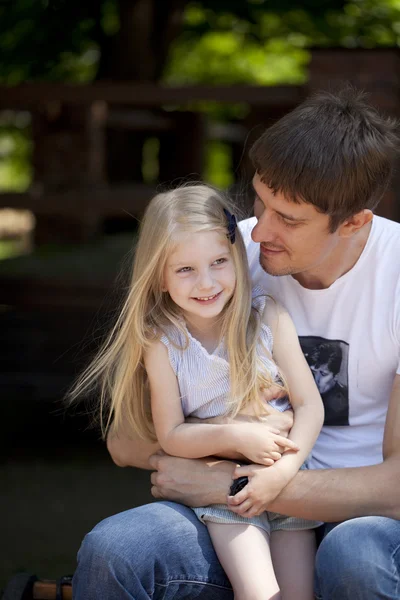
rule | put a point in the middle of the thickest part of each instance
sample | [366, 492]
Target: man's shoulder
[246, 226]
[258, 275]
[385, 245]
[385, 229]
[252, 248]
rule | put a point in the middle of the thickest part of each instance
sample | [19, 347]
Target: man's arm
[131, 450]
[339, 494]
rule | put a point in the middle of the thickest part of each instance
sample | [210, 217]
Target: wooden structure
[80, 177]
[28, 587]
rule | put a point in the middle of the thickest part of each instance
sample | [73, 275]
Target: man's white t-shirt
[350, 335]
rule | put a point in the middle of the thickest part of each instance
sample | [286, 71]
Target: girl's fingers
[275, 456]
[238, 498]
[285, 443]
[251, 512]
[242, 508]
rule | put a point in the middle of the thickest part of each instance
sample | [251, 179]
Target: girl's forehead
[201, 241]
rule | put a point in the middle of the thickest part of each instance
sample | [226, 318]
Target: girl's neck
[206, 331]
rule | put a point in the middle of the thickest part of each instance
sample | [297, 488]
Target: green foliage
[227, 58]
[57, 40]
[15, 151]
[262, 42]
[223, 48]
[219, 168]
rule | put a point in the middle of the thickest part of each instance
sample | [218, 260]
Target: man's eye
[289, 223]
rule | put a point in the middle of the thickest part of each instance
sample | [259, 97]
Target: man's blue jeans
[162, 551]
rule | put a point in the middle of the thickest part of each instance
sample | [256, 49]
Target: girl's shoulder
[269, 309]
[172, 335]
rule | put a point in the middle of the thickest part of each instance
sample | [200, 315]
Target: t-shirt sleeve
[259, 299]
[397, 323]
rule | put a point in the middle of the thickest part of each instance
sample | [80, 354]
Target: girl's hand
[260, 444]
[265, 484]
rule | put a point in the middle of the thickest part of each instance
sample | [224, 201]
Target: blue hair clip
[232, 224]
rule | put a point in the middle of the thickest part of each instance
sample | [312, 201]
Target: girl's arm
[195, 440]
[265, 484]
[304, 395]
[176, 437]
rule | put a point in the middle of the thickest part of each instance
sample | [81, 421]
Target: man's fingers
[274, 391]
[155, 492]
[246, 471]
[154, 461]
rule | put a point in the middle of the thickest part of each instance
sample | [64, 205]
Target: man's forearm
[340, 494]
[130, 451]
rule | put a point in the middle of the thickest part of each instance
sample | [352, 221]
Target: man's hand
[194, 482]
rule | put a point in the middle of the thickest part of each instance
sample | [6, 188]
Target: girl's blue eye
[184, 270]
[219, 261]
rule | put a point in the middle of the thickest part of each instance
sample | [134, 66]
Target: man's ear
[354, 223]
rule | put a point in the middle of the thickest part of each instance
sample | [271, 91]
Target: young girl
[194, 335]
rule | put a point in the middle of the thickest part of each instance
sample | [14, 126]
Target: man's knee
[137, 532]
[145, 549]
[352, 555]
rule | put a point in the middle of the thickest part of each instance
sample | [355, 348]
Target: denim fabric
[359, 559]
[162, 551]
[159, 551]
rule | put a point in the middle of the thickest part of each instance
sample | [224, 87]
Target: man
[315, 246]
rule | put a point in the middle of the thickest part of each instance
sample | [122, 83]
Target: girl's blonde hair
[148, 311]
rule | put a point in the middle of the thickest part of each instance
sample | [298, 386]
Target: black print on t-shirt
[328, 360]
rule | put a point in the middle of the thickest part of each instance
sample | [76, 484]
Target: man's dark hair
[334, 151]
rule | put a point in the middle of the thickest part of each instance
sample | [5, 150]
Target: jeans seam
[193, 581]
[396, 568]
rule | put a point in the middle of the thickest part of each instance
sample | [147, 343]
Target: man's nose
[263, 231]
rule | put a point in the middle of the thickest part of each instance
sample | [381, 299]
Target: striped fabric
[203, 377]
[219, 513]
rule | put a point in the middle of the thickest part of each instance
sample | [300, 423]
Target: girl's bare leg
[243, 551]
[293, 555]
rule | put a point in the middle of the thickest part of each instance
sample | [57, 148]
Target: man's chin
[274, 271]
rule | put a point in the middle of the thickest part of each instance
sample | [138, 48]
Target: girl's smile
[199, 274]
[208, 299]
